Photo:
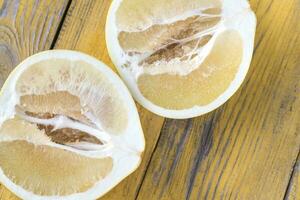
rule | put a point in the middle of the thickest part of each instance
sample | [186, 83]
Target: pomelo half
[69, 128]
[181, 58]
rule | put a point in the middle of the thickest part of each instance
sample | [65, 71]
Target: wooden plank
[247, 148]
[26, 27]
[83, 30]
[293, 191]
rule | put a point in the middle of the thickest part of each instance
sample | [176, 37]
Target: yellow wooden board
[247, 148]
[244, 150]
[26, 27]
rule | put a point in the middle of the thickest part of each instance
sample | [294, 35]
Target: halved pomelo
[69, 128]
[181, 58]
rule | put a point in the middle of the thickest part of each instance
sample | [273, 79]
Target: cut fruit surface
[69, 128]
[181, 58]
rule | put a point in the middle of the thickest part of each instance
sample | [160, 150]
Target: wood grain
[84, 30]
[26, 27]
[293, 192]
[247, 148]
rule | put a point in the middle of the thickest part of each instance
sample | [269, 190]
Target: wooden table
[247, 149]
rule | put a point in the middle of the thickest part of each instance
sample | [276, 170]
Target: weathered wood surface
[26, 27]
[247, 149]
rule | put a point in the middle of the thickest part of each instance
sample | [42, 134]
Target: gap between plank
[60, 24]
[287, 191]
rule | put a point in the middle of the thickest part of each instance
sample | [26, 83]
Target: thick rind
[244, 21]
[125, 161]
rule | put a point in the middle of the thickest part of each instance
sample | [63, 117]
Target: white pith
[235, 15]
[125, 148]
